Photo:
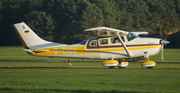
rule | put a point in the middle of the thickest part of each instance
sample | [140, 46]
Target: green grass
[89, 80]
[85, 77]
[170, 55]
[78, 65]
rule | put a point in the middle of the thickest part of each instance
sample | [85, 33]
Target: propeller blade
[162, 52]
[163, 42]
[161, 33]
[166, 40]
[162, 45]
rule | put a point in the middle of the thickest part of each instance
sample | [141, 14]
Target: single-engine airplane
[110, 45]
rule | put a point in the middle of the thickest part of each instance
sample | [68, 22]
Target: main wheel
[111, 67]
[149, 67]
[122, 67]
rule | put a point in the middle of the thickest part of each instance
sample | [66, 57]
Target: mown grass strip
[89, 80]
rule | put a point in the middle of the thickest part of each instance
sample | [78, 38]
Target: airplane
[109, 45]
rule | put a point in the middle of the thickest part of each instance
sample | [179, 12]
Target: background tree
[64, 21]
[108, 12]
[45, 25]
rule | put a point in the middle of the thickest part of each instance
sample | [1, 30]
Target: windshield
[83, 42]
[131, 36]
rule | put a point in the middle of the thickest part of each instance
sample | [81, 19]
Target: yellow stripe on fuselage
[62, 51]
[81, 50]
[130, 48]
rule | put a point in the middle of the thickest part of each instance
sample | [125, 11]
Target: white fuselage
[110, 44]
[137, 47]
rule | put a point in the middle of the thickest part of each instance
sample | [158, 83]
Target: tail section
[30, 39]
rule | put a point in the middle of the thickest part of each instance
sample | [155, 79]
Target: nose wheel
[149, 64]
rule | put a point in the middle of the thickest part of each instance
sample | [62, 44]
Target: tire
[111, 67]
[149, 67]
[122, 67]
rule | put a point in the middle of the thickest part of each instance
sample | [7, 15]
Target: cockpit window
[103, 41]
[116, 40]
[93, 43]
[84, 42]
[131, 36]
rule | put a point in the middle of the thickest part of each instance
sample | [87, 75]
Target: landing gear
[112, 67]
[148, 64]
[110, 63]
[114, 63]
[123, 64]
[122, 67]
[149, 67]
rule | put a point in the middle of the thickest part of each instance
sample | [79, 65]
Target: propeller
[162, 45]
[163, 42]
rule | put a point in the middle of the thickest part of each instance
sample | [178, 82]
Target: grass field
[85, 77]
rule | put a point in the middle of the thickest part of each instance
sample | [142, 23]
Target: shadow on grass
[8, 90]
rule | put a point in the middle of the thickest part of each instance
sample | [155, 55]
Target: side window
[103, 41]
[122, 39]
[116, 40]
[93, 43]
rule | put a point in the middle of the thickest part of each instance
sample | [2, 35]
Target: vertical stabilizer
[29, 38]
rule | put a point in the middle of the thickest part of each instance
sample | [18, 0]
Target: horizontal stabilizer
[33, 51]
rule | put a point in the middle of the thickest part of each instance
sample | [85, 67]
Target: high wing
[106, 31]
[140, 33]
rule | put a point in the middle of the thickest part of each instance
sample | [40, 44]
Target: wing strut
[126, 49]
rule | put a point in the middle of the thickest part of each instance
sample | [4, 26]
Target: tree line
[64, 21]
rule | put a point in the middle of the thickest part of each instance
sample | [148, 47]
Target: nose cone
[164, 42]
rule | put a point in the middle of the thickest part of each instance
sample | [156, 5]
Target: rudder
[27, 36]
